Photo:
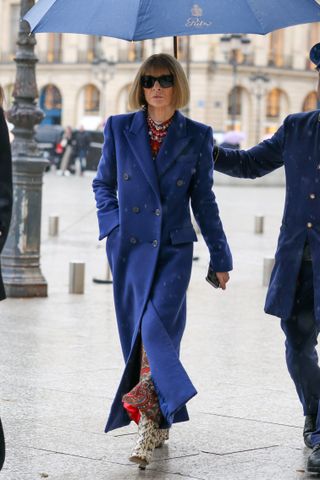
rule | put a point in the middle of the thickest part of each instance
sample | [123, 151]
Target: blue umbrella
[143, 19]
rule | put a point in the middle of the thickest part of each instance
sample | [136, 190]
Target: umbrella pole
[175, 47]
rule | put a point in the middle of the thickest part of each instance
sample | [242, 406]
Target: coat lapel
[138, 139]
[174, 143]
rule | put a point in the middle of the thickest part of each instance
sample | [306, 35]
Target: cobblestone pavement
[61, 360]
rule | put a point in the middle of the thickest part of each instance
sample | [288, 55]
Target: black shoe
[313, 464]
[309, 428]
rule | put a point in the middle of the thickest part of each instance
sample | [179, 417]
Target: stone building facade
[251, 91]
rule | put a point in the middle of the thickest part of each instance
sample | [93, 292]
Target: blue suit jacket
[296, 145]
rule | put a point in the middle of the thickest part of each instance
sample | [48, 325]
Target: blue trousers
[301, 332]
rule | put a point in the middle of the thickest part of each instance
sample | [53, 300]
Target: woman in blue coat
[154, 162]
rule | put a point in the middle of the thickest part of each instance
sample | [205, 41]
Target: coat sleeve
[255, 162]
[206, 211]
[105, 185]
[5, 181]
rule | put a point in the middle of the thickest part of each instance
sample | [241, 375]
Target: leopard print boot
[147, 439]
[163, 435]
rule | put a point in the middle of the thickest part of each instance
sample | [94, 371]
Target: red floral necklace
[157, 133]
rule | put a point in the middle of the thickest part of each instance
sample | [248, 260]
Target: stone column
[21, 255]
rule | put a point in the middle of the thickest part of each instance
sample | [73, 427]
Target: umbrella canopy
[143, 19]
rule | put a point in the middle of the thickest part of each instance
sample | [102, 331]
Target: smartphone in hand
[212, 278]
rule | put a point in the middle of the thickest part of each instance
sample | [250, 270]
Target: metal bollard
[53, 225]
[268, 263]
[108, 278]
[258, 223]
[76, 277]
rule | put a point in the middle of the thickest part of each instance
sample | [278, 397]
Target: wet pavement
[61, 360]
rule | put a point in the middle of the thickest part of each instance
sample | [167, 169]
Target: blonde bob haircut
[160, 61]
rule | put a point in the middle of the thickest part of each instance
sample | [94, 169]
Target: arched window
[310, 102]
[273, 103]
[50, 101]
[276, 56]
[91, 99]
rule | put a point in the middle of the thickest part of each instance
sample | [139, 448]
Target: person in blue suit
[5, 215]
[294, 289]
[155, 162]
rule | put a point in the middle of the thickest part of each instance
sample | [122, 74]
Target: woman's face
[157, 96]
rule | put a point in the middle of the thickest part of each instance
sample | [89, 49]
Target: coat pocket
[183, 235]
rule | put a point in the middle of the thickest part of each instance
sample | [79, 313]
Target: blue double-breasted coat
[144, 211]
[296, 145]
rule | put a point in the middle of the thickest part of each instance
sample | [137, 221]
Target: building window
[136, 51]
[14, 25]
[50, 101]
[314, 34]
[273, 103]
[91, 99]
[183, 48]
[54, 54]
[52, 97]
[276, 57]
[310, 102]
[93, 47]
[234, 102]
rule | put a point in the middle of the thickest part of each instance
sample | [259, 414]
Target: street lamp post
[259, 80]
[21, 255]
[103, 70]
[231, 45]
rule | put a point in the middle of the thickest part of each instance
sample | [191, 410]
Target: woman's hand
[223, 278]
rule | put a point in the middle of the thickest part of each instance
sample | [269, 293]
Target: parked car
[48, 138]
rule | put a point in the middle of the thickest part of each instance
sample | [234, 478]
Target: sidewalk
[61, 361]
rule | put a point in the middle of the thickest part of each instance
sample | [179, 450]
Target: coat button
[312, 196]
[135, 209]
[133, 240]
[0, 233]
[309, 225]
[125, 176]
[180, 182]
[157, 212]
[155, 243]
[318, 166]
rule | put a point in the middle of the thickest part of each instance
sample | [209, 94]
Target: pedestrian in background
[294, 290]
[154, 162]
[5, 213]
[82, 143]
[67, 143]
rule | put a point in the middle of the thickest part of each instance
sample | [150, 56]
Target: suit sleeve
[255, 162]
[5, 181]
[206, 211]
[105, 185]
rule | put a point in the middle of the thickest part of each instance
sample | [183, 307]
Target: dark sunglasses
[165, 81]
